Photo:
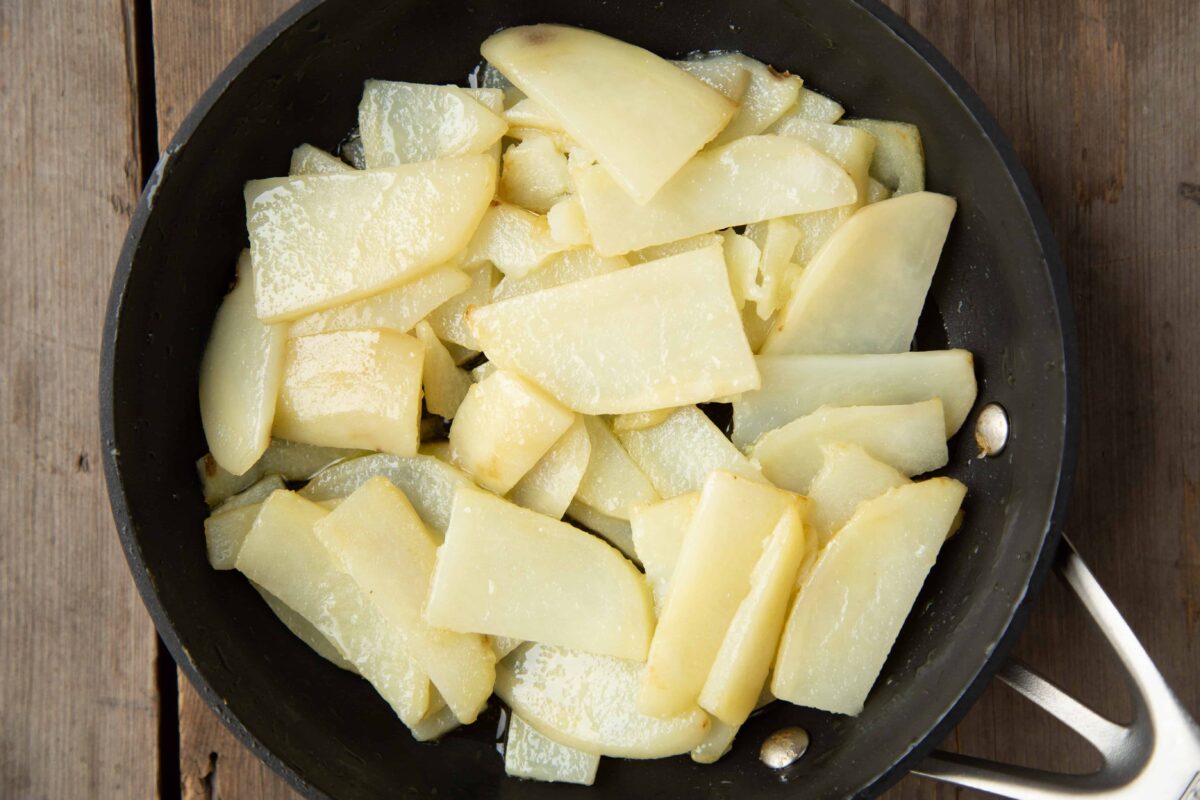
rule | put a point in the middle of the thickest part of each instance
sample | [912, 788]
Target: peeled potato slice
[309, 160]
[712, 575]
[601, 346]
[848, 477]
[850, 147]
[726, 73]
[380, 542]
[899, 162]
[352, 389]
[568, 225]
[513, 240]
[508, 571]
[567, 267]
[322, 240]
[813, 106]
[855, 600]
[534, 175]
[283, 555]
[793, 386]
[911, 438]
[864, 290]
[776, 240]
[550, 485]
[613, 483]
[449, 320]
[716, 744]
[293, 461]
[641, 116]
[748, 180]
[655, 252]
[444, 383]
[227, 526]
[529, 754]
[240, 376]
[503, 428]
[613, 530]
[403, 123]
[586, 701]
[658, 530]
[304, 630]
[768, 95]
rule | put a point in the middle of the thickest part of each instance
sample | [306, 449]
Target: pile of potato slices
[460, 399]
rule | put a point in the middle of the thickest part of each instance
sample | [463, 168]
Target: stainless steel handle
[1157, 755]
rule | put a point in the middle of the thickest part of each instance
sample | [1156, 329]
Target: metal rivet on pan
[783, 747]
[991, 430]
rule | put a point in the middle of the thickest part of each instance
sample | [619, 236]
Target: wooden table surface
[1100, 99]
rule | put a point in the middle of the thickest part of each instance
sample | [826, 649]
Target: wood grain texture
[78, 710]
[1099, 98]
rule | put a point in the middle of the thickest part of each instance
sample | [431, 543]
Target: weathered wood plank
[78, 711]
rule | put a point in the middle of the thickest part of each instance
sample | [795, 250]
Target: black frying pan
[1000, 292]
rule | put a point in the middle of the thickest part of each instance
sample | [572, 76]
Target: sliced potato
[444, 383]
[529, 754]
[322, 240]
[283, 555]
[768, 96]
[640, 420]
[748, 180]
[793, 386]
[658, 530]
[587, 702]
[864, 291]
[397, 309]
[309, 160]
[613, 530]
[815, 229]
[600, 346]
[380, 542]
[723, 543]
[899, 162]
[304, 630]
[526, 113]
[655, 252]
[428, 482]
[642, 116]
[741, 259]
[716, 744]
[568, 267]
[503, 428]
[513, 240]
[911, 438]
[726, 73]
[741, 665]
[403, 123]
[848, 476]
[240, 376]
[813, 106]
[534, 175]
[568, 224]
[850, 147]
[852, 605]
[613, 482]
[503, 645]
[293, 461]
[352, 389]
[227, 526]
[553, 481]
[449, 320]
[435, 725]
[678, 454]
[776, 240]
[508, 571]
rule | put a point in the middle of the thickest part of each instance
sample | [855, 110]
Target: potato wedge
[503, 428]
[513, 240]
[678, 454]
[613, 482]
[748, 180]
[529, 754]
[852, 606]
[240, 375]
[309, 160]
[534, 175]
[429, 484]
[741, 665]
[726, 73]
[404, 123]
[352, 389]
[381, 543]
[658, 530]
[641, 116]
[848, 477]
[723, 543]
[283, 555]
[304, 630]
[567, 267]
[318, 241]
[587, 702]
[864, 291]
[602, 345]
[553, 481]
[444, 383]
[293, 461]
[397, 309]
[449, 320]
[508, 571]
[899, 162]
[911, 438]
[793, 386]
[768, 96]
[613, 530]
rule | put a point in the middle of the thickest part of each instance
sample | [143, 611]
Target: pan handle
[1157, 755]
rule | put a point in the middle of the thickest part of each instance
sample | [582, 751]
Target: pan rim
[1070, 427]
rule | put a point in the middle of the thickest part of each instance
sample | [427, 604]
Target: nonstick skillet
[1000, 292]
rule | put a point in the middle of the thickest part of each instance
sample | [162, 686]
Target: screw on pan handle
[1155, 756]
